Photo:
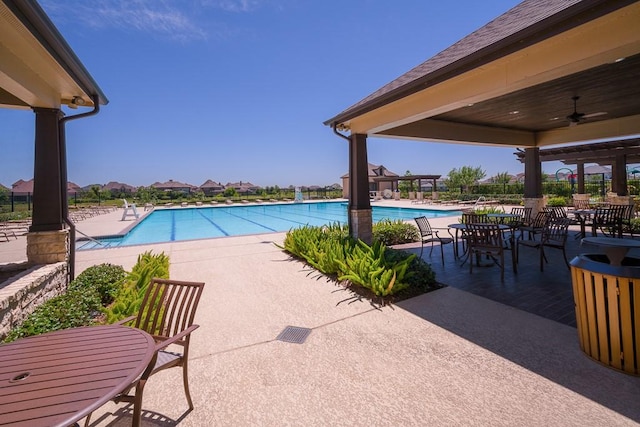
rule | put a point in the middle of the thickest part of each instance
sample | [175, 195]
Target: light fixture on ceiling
[76, 101]
[514, 112]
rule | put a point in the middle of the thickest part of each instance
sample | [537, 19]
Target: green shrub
[394, 232]
[106, 279]
[420, 277]
[14, 216]
[557, 201]
[332, 251]
[368, 267]
[76, 307]
[128, 298]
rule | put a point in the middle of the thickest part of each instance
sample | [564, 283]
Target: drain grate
[294, 334]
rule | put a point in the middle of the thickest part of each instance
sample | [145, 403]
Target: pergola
[616, 154]
[411, 179]
[511, 83]
[41, 73]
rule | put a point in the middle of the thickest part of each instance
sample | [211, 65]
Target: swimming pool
[170, 225]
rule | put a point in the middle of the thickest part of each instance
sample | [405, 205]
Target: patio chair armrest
[163, 344]
[436, 229]
[125, 320]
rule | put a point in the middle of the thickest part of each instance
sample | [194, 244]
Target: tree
[464, 177]
[404, 185]
[501, 178]
[229, 192]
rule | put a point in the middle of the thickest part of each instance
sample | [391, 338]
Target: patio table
[58, 378]
[461, 227]
[582, 215]
[614, 249]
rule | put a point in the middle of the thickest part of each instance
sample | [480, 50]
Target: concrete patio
[449, 357]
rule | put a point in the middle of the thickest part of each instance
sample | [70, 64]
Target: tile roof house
[117, 188]
[212, 188]
[172, 185]
[243, 187]
[374, 171]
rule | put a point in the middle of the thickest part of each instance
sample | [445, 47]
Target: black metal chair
[535, 226]
[554, 235]
[486, 239]
[429, 234]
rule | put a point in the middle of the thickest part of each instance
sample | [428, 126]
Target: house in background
[211, 188]
[172, 185]
[118, 188]
[375, 171]
[243, 187]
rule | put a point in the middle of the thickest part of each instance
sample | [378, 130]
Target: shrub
[106, 279]
[394, 232]
[333, 252]
[368, 267]
[557, 201]
[128, 298]
[76, 307]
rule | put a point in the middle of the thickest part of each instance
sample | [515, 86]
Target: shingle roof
[172, 184]
[211, 184]
[114, 185]
[523, 25]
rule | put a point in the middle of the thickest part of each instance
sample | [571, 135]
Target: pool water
[170, 225]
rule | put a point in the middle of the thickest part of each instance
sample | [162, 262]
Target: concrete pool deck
[443, 358]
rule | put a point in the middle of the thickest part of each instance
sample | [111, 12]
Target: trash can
[607, 302]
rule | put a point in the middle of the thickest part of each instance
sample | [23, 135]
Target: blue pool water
[170, 225]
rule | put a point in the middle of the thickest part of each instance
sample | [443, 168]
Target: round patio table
[58, 378]
[614, 249]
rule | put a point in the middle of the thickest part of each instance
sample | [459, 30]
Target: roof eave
[36, 20]
[564, 20]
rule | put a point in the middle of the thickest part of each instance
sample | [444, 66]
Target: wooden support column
[533, 180]
[47, 176]
[619, 175]
[532, 173]
[580, 173]
[360, 218]
[48, 240]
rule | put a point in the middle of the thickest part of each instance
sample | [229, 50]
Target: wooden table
[58, 378]
[614, 249]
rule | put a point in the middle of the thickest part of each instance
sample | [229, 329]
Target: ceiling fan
[576, 117]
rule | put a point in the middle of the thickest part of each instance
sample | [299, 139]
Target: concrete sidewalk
[443, 358]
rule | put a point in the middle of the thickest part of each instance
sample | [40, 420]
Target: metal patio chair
[167, 313]
[429, 234]
[554, 235]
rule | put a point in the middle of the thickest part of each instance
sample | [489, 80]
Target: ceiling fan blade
[599, 113]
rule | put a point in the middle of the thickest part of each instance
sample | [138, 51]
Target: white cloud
[159, 17]
[236, 6]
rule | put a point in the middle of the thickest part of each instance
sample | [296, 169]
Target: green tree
[404, 185]
[147, 194]
[464, 177]
[501, 178]
[229, 192]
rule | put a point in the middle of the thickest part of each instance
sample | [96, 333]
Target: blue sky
[237, 90]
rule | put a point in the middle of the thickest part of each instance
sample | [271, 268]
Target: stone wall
[21, 294]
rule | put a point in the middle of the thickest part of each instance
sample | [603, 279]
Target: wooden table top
[56, 379]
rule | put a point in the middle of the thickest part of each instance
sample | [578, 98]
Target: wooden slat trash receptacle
[607, 301]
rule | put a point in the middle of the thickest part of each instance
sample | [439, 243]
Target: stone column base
[361, 224]
[536, 205]
[48, 247]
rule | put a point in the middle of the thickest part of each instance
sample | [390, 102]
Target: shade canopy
[37, 66]
[512, 82]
